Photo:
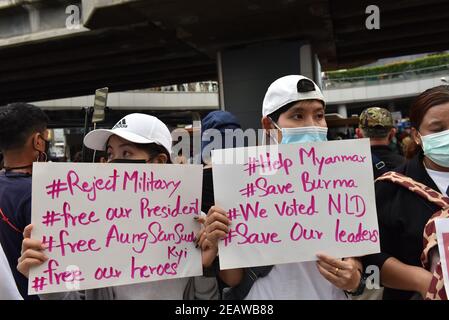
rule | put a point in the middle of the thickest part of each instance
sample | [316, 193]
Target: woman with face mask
[137, 138]
[404, 209]
[293, 112]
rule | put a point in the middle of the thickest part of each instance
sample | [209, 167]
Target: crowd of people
[411, 191]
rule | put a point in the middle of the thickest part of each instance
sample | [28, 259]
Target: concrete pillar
[343, 110]
[245, 74]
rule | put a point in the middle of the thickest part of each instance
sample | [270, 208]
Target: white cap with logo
[290, 89]
[135, 127]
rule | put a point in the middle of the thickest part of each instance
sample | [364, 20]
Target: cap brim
[98, 138]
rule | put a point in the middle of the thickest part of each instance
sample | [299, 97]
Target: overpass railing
[382, 78]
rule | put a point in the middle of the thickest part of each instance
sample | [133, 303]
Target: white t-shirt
[295, 281]
[440, 178]
[8, 288]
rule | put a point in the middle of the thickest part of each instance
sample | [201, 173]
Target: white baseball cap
[290, 89]
[135, 127]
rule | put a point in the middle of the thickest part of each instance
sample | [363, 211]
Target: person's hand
[214, 227]
[32, 253]
[424, 279]
[217, 224]
[344, 274]
[208, 250]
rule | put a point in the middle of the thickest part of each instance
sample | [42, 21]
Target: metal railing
[194, 87]
[382, 78]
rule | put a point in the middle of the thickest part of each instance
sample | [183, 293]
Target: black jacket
[391, 158]
[402, 216]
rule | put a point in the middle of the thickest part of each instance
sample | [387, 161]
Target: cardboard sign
[289, 202]
[114, 224]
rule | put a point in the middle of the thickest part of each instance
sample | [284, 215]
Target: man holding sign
[293, 112]
[135, 228]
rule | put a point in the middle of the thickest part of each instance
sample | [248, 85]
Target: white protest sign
[442, 228]
[114, 224]
[289, 202]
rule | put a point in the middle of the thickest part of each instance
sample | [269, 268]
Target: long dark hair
[430, 98]
[154, 149]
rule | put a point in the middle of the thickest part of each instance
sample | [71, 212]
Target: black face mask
[43, 156]
[47, 146]
[127, 161]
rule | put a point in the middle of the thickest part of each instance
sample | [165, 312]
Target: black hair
[379, 132]
[99, 154]
[276, 114]
[18, 121]
[154, 149]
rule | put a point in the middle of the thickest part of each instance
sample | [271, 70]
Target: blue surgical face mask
[436, 147]
[302, 134]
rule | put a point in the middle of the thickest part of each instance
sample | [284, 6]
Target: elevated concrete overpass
[172, 107]
[245, 45]
[364, 91]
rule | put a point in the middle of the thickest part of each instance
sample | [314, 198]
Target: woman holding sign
[293, 112]
[137, 138]
[408, 197]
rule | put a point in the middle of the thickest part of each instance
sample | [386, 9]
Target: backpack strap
[430, 235]
[379, 166]
[414, 186]
[436, 289]
[8, 222]
[250, 276]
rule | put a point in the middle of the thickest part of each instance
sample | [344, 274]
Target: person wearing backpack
[293, 112]
[408, 202]
[377, 124]
[23, 140]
